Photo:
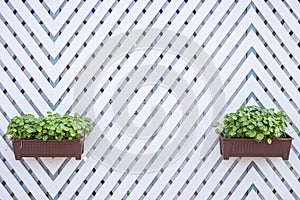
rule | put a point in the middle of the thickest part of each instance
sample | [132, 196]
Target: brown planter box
[237, 147]
[50, 148]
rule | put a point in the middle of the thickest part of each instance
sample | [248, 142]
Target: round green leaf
[260, 137]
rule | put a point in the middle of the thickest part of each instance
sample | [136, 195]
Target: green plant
[51, 127]
[253, 122]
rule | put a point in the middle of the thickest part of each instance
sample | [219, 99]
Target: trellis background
[60, 56]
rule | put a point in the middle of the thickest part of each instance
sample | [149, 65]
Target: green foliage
[253, 122]
[52, 127]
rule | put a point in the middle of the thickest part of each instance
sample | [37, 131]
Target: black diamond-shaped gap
[30, 194]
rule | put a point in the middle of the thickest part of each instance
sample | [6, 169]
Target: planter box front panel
[233, 147]
[51, 148]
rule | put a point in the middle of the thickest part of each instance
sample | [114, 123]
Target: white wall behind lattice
[164, 70]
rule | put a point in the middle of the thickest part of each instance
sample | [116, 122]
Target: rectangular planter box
[236, 147]
[50, 148]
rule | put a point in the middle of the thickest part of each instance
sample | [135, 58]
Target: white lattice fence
[154, 76]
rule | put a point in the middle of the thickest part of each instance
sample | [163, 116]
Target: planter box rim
[33, 140]
[274, 139]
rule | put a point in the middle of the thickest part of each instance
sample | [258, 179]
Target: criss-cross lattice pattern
[154, 76]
